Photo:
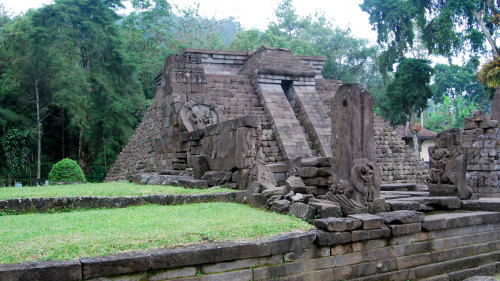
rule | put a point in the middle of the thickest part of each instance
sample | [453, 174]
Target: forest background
[76, 77]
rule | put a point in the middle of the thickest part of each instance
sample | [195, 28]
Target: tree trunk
[414, 132]
[81, 151]
[479, 18]
[62, 133]
[39, 127]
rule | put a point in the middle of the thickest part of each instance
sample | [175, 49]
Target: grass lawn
[98, 189]
[65, 236]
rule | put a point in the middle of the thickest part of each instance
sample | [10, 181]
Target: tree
[449, 113]
[408, 93]
[448, 27]
[27, 76]
[96, 83]
[16, 149]
[456, 81]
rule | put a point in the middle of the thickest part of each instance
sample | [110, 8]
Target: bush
[66, 170]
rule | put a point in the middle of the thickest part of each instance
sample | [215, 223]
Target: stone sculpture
[448, 165]
[356, 177]
[198, 114]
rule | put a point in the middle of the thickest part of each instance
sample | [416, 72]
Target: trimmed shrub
[66, 170]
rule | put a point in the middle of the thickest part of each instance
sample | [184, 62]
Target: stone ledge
[453, 220]
[72, 203]
[47, 270]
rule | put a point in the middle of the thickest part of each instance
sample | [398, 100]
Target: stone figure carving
[358, 195]
[198, 114]
[448, 165]
[356, 177]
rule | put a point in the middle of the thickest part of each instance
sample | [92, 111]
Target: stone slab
[369, 221]
[402, 216]
[452, 220]
[338, 224]
[47, 270]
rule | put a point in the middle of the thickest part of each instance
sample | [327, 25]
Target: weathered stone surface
[173, 273]
[402, 216]
[359, 235]
[338, 224]
[369, 221]
[448, 166]
[241, 264]
[404, 229]
[311, 172]
[296, 184]
[47, 270]
[281, 206]
[213, 178]
[302, 211]
[325, 208]
[395, 205]
[357, 181]
[481, 278]
[309, 253]
[452, 220]
[115, 264]
[325, 238]
[316, 162]
[439, 203]
[279, 190]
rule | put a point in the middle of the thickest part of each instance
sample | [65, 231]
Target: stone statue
[448, 165]
[198, 114]
[356, 177]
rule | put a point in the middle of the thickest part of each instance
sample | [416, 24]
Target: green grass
[98, 189]
[89, 233]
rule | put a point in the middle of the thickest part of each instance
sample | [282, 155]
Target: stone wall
[481, 138]
[230, 146]
[286, 92]
[442, 247]
[138, 155]
[398, 163]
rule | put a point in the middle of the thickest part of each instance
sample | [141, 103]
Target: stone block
[309, 253]
[338, 224]
[369, 221]
[348, 259]
[317, 181]
[359, 235]
[296, 184]
[383, 253]
[214, 178]
[241, 264]
[239, 275]
[404, 229]
[316, 162]
[325, 238]
[115, 264]
[414, 260]
[302, 211]
[325, 208]
[173, 273]
[281, 206]
[290, 242]
[402, 216]
[311, 172]
[201, 254]
[46, 270]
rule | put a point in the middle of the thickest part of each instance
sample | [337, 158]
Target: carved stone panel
[356, 177]
[198, 114]
[448, 165]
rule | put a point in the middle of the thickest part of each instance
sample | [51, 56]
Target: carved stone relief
[198, 114]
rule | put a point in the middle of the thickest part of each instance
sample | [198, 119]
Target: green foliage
[448, 27]
[66, 170]
[490, 73]
[456, 81]
[408, 93]
[449, 113]
[16, 149]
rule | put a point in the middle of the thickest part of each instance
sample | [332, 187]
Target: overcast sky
[257, 13]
